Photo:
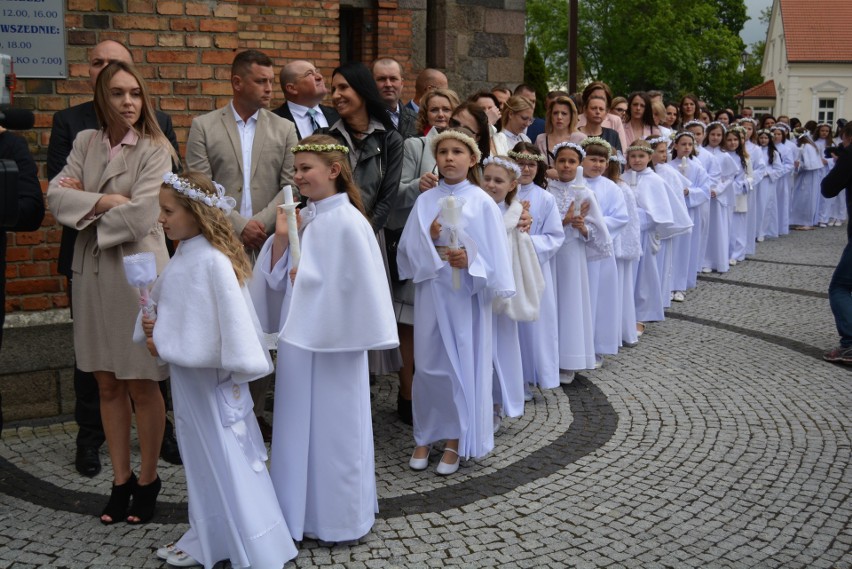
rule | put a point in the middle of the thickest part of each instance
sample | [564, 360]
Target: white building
[808, 58]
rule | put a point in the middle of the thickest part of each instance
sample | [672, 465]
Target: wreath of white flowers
[748, 119]
[572, 145]
[783, 125]
[525, 156]
[588, 141]
[655, 141]
[714, 123]
[497, 161]
[738, 129]
[765, 131]
[683, 133]
[461, 137]
[695, 123]
[319, 148]
[193, 192]
[639, 148]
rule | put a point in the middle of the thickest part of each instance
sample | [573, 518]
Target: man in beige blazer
[246, 148]
[244, 145]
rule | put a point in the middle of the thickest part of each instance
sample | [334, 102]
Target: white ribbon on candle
[289, 207]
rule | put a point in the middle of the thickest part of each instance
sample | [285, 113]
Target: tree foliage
[676, 46]
[535, 75]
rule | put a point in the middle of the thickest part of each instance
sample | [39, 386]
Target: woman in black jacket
[375, 147]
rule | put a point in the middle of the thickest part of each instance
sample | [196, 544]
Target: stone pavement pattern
[722, 440]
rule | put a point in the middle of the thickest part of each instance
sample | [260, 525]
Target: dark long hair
[362, 82]
[484, 138]
[647, 114]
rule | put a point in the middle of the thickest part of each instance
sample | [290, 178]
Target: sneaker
[528, 396]
[678, 296]
[840, 354]
[566, 377]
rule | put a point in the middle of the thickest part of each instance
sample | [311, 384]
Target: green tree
[672, 45]
[535, 75]
[547, 26]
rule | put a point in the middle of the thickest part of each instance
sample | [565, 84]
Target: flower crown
[783, 125]
[658, 140]
[823, 124]
[193, 192]
[619, 157]
[748, 119]
[526, 156]
[683, 133]
[738, 129]
[497, 161]
[588, 141]
[765, 131]
[319, 148]
[572, 145]
[714, 123]
[805, 134]
[461, 137]
[639, 148]
[694, 123]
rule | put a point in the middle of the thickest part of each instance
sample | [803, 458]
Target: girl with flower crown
[454, 247]
[207, 331]
[767, 210]
[603, 272]
[675, 184]
[735, 146]
[540, 338]
[758, 170]
[586, 237]
[716, 255]
[788, 151]
[806, 195]
[500, 181]
[329, 305]
[826, 216]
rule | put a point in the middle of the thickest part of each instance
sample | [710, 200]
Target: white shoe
[823, 225]
[598, 361]
[678, 296]
[181, 559]
[732, 262]
[168, 549]
[706, 270]
[419, 463]
[528, 395]
[566, 377]
[760, 239]
[445, 469]
[498, 422]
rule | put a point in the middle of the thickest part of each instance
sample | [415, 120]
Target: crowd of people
[476, 251]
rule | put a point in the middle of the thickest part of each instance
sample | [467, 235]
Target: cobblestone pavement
[722, 440]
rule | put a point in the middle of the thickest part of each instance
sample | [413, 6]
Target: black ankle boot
[119, 498]
[144, 502]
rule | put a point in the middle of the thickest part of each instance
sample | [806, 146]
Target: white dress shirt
[246, 130]
[303, 119]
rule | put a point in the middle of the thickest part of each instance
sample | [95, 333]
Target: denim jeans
[840, 296]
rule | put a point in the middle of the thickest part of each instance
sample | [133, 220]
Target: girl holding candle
[716, 256]
[735, 146]
[329, 311]
[454, 248]
[586, 236]
[207, 331]
[767, 210]
[540, 338]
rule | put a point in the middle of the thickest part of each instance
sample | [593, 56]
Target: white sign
[33, 33]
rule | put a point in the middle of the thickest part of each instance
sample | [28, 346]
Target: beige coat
[104, 305]
[213, 147]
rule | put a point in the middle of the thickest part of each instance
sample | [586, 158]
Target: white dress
[827, 206]
[208, 333]
[540, 338]
[339, 307]
[739, 222]
[571, 277]
[698, 202]
[788, 152]
[603, 273]
[627, 248]
[675, 183]
[452, 392]
[759, 168]
[805, 197]
[716, 256]
[767, 209]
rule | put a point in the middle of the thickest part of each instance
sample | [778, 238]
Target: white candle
[451, 218]
[288, 194]
[292, 228]
[635, 175]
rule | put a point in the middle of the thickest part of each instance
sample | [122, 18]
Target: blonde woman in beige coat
[109, 191]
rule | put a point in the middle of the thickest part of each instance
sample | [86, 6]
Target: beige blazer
[214, 148]
[104, 305]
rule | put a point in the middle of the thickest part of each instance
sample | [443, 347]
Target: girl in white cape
[331, 305]
[208, 333]
[540, 338]
[455, 249]
[586, 238]
[500, 181]
[716, 256]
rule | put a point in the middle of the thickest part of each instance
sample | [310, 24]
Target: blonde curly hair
[214, 224]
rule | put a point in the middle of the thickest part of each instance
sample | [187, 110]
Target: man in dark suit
[304, 89]
[387, 72]
[66, 125]
[840, 287]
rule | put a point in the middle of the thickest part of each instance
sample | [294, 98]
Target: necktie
[314, 124]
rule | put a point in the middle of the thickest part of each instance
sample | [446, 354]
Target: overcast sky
[754, 30]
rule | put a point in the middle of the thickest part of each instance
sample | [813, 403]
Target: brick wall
[184, 51]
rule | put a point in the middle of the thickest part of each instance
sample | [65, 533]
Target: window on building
[826, 110]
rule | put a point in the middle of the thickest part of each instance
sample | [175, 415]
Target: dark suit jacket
[536, 128]
[407, 122]
[67, 124]
[30, 202]
[284, 112]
